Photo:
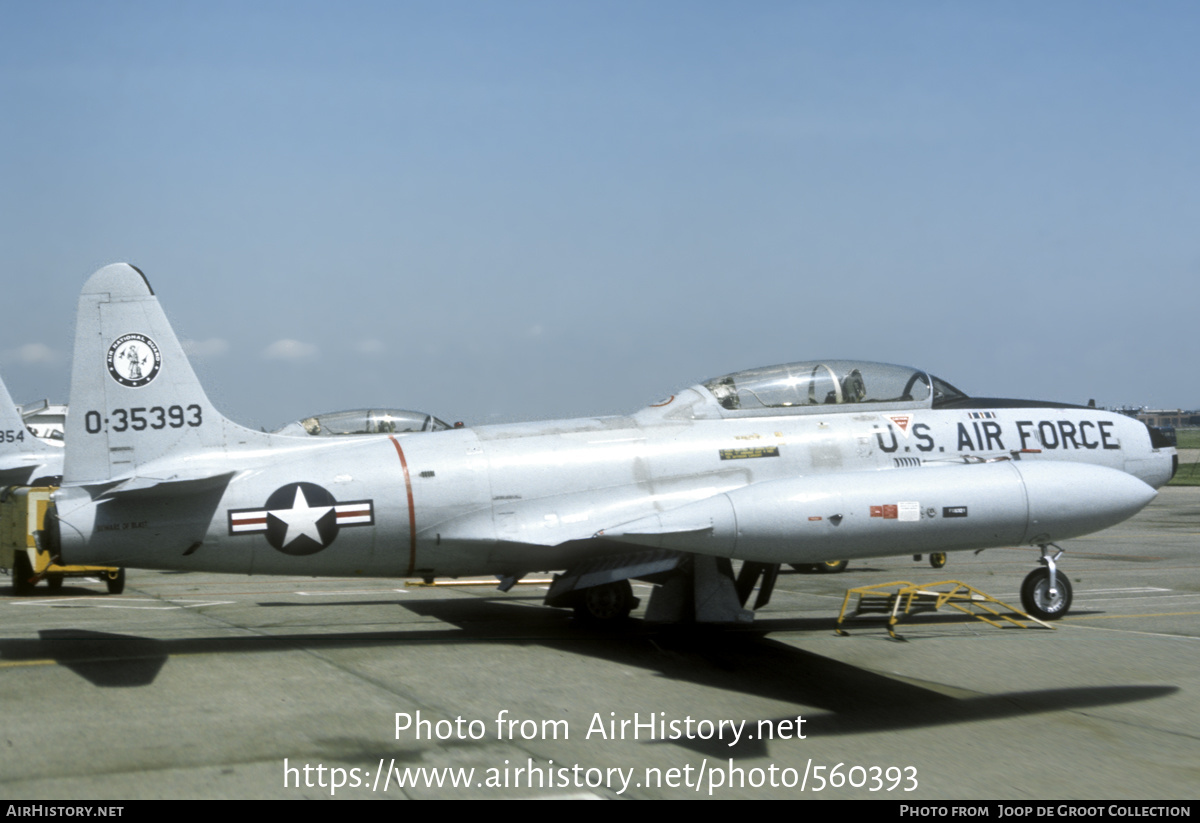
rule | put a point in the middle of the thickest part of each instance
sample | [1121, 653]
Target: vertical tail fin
[135, 400]
[10, 420]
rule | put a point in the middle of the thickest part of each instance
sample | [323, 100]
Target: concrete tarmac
[215, 686]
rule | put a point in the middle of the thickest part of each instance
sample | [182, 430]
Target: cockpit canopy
[365, 421]
[816, 385]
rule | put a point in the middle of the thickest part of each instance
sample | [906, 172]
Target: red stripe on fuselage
[412, 510]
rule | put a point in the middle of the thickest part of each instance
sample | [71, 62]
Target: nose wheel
[1046, 594]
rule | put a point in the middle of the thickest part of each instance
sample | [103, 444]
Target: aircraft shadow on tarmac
[834, 697]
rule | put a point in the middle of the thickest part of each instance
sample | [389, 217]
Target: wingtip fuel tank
[935, 508]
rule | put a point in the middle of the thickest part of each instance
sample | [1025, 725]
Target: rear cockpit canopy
[365, 421]
[819, 386]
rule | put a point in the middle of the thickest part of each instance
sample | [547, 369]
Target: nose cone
[1072, 499]
[1157, 469]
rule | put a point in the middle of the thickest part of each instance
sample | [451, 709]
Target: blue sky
[509, 210]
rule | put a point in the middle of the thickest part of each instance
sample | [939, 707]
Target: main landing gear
[936, 559]
[1046, 594]
[605, 604]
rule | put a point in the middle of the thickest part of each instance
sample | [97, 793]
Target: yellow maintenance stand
[900, 598]
[22, 514]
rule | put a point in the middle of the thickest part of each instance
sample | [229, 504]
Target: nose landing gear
[1045, 594]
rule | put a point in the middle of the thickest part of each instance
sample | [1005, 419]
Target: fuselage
[777, 484]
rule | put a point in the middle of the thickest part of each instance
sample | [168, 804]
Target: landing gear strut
[1046, 594]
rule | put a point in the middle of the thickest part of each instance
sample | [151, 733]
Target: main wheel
[1035, 595]
[804, 568]
[55, 582]
[937, 559]
[115, 581]
[606, 603]
[833, 566]
[22, 570]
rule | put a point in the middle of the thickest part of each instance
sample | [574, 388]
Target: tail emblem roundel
[133, 360]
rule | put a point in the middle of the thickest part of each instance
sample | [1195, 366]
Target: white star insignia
[301, 519]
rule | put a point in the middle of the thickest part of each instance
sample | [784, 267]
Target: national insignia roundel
[301, 518]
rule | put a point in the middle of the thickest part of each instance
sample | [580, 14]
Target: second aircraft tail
[25, 458]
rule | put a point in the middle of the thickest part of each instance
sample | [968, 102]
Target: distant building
[1160, 418]
[1169, 417]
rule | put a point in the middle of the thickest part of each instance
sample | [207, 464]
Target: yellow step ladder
[900, 598]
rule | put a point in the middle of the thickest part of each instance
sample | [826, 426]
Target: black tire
[115, 581]
[605, 604]
[804, 568]
[1035, 596]
[937, 559]
[22, 570]
[54, 582]
[833, 566]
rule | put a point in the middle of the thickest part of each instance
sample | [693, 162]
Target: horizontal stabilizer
[179, 483]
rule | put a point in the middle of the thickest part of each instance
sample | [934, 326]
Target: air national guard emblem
[133, 360]
[301, 518]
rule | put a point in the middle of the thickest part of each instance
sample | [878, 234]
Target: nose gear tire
[1036, 598]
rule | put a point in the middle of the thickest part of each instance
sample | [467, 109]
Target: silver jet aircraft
[796, 463]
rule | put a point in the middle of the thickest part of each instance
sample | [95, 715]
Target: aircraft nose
[1156, 469]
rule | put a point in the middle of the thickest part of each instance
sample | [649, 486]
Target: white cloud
[290, 350]
[370, 346]
[202, 349]
[32, 354]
